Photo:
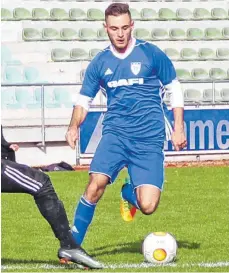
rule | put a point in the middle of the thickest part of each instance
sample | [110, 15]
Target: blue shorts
[145, 161]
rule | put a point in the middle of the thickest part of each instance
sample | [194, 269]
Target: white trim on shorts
[104, 174]
[149, 185]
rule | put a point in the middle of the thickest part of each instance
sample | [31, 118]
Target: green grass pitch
[194, 207]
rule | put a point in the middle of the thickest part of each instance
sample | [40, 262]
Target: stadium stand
[47, 45]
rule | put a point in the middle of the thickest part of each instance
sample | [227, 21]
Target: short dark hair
[116, 9]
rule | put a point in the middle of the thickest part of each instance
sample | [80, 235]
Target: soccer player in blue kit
[135, 75]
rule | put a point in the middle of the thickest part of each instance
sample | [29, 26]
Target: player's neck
[123, 50]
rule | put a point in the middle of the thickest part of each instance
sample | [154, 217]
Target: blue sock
[129, 194]
[82, 219]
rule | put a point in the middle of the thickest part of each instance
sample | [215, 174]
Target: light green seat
[207, 54]
[172, 53]
[201, 14]
[59, 14]
[166, 14]
[184, 14]
[159, 34]
[25, 98]
[93, 52]
[95, 15]
[195, 34]
[60, 55]
[177, 34]
[22, 14]
[219, 13]
[68, 34]
[102, 34]
[31, 74]
[183, 74]
[148, 14]
[6, 15]
[8, 98]
[63, 97]
[217, 73]
[49, 34]
[200, 74]
[208, 95]
[31, 34]
[222, 53]
[87, 34]
[13, 74]
[142, 34]
[213, 34]
[40, 14]
[49, 99]
[135, 14]
[6, 55]
[225, 94]
[189, 54]
[225, 33]
[77, 14]
[78, 54]
[192, 95]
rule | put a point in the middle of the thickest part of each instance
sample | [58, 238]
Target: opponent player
[17, 178]
[135, 75]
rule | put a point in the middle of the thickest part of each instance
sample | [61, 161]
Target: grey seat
[195, 34]
[135, 14]
[142, 34]
[78, 54]
[159, 34]
[207, 54]
[95, 14]
[68, 34]
[217, 73]
[225, 94]
[148, 14]
[31, 34]
[225, 33]
[49, 34]
[76, 14]
[192, 95]
[172, 53]
[60, 55]
[22, 14]
[189, 54]
[40, 14]
[102, 35]
[209, 94]
[222, 53]
[59, 14]
[166, 14]
[6, 15]
[199, 74]
[213, 34]
[201, 14]
[177, 34]
[183, 74]
[184, 14]
[93, 52]
[219, 13]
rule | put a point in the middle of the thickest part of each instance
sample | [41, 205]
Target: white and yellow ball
[159, 247]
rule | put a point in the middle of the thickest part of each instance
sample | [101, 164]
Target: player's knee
[95, 188]
[147, 207]
[46, 185]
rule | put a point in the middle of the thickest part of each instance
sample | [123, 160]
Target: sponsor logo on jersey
[108, 72]
[125, 82]
[135, 67]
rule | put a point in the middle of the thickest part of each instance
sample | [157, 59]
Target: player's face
[119, 29]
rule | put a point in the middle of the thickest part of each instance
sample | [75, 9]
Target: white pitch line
[118, 266]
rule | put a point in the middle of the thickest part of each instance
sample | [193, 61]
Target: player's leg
[17, 178]
[108, 160]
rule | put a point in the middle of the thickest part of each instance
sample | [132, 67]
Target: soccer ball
[159, 247]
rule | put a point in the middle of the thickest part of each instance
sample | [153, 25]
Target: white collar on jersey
[126, 53]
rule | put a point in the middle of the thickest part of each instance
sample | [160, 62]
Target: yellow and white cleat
[127, 210]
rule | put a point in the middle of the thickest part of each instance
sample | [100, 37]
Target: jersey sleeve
[164, 67]
[91, 82]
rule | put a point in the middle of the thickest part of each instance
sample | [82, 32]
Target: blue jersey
[133, 83]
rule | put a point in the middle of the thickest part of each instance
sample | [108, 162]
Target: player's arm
[89, 89]
[167, 75]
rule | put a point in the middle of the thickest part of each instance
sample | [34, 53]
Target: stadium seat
[222, 53]
[5, 54]
[201, 14]
[78, 54]
[31, 34]
[166, 14]
[199, 74]
[208, 95]
[172, 53]
[102, 35]
[82, 74]
[49, 34]
[206, 54]
[189, 54]
[95, 15]
[184, 14]
[8, 98]
[31, 74]
[225, 33]
[225, 94]
[63, 97]
[135, 14]
[22, 14]
[6, 15]
[192, 95]
[25, 98]
[213, 34]
[195, 34]
[49, 101]
[177, 34]
[93, 52]
[217, 74]
[148, 14]
[219, 13]
[142, 33]
[59, 14]
[183, 74]
[87, 34]
[77, 14]
[60, 55]
[68, 34]
[13, 74]
[40, 14]
[159, 34]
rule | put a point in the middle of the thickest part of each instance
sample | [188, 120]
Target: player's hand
[179, 139]
[14, 147]
[72, 136]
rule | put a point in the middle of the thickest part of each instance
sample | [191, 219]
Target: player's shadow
[7, 261]
[134, 247]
